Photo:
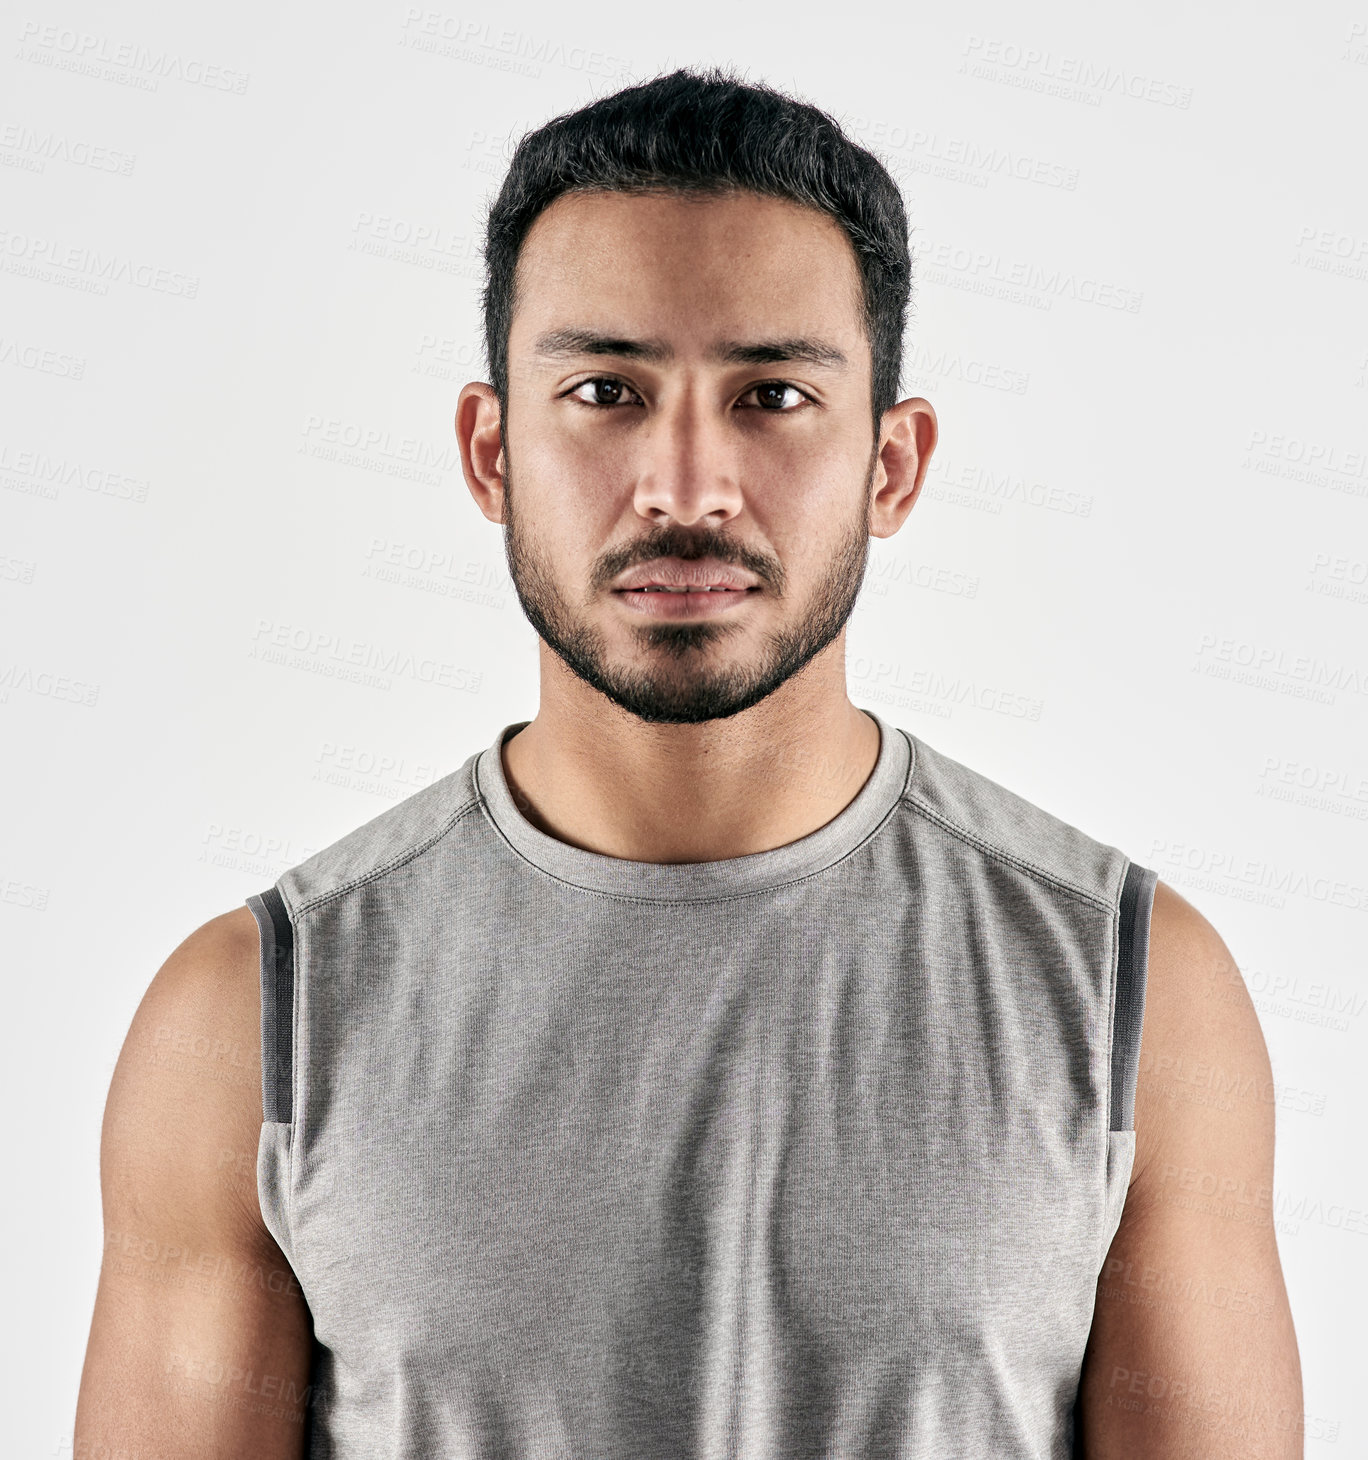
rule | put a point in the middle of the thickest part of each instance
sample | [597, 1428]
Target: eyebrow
[564, 343]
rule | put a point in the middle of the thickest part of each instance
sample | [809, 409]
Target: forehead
[692, 264]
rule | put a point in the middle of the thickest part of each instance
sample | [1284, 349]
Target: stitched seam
[1111, 1002]
[1115, 962]
[296, 912]
[296, 1109]
[295, 1061]
[692, 901]
[992, 850]
[716, 897]
[398, 860]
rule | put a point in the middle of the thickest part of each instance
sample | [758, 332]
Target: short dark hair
[707, 131]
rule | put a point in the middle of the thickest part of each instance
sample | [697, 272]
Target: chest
[869, 1151]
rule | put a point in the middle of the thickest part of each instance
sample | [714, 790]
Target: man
[708, 1067]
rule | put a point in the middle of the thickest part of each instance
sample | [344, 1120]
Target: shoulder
[1203, 1098]
[995, 823]
[1191, 1303]
[183, 1116]
[206, 990]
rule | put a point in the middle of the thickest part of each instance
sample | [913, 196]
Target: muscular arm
[1192, 1354]
[200, 1342]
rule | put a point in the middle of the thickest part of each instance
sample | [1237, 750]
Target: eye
[606, 391]
[770, 396]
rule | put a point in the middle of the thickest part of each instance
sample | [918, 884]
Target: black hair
[707, 131]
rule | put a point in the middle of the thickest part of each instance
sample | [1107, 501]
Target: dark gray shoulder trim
[277, 1004]
[1128, 1013]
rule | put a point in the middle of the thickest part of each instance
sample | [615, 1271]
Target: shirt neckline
[689, 881]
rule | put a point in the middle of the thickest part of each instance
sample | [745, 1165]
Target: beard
[684, 690]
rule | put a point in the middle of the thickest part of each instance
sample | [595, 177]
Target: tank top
[816, 1151]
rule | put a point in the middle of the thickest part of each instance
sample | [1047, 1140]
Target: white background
[239, 272]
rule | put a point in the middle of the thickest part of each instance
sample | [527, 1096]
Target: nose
[689, 468]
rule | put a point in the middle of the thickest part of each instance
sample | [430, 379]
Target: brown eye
[770, 396]
[604, 391]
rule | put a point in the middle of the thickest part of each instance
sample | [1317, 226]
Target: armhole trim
[1128, 1014]
[277, 1004]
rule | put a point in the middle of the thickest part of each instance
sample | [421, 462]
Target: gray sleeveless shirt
[813, 1152]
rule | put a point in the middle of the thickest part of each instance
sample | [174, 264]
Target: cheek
[561, 463]
[805, 496]
[567, 500]
[804, 462]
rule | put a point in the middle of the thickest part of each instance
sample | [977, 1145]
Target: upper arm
[1192, 1351]
[201, 1340]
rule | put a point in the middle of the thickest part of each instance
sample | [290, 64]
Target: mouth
[661, 601]
[692, 588]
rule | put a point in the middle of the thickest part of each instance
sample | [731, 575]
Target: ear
[907, 437]
[482, 457]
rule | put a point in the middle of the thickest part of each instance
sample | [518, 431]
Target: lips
[671, 604]
[674, 575]
[661, 588]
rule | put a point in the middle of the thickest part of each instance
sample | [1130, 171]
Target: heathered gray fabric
[804, 1153]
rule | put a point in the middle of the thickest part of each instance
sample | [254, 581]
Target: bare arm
[1193, 1355]
[200, 1342]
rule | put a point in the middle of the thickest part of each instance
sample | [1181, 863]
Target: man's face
[666, 422]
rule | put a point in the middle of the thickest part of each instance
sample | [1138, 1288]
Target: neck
[599, 778]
